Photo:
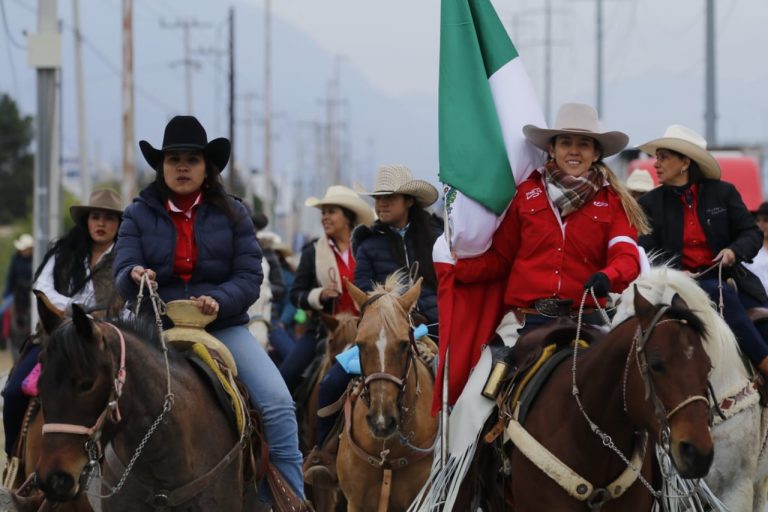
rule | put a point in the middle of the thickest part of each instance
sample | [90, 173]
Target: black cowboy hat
[186, 133]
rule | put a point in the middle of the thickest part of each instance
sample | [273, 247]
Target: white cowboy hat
[398, 179]
[687, 142]
[24, 242]
[640, 181]
[577, 119]
[339, 195]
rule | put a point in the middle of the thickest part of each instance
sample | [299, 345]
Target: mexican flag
[486, 97]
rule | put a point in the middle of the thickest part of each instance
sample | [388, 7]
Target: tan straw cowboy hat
[687, 142]
[577, 119]
[339, 195]
[104, 199]
[398, 179]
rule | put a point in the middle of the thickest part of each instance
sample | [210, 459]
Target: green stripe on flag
[473, 46]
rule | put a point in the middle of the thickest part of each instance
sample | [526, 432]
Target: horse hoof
[7, 503]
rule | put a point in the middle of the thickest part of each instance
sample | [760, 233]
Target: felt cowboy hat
[104, 199]
[685, 141]
[398, 179]
[186, 133]
[640, 181]
[339, 195]
[24, 242]
[577, 119]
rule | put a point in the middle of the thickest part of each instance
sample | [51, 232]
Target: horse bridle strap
[571, 482]
[111, 410]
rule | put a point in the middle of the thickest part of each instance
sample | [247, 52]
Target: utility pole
[232, 170]
[248, 163]
[710, 114]
[128, 188]
[548, 62]
[85, 173]
[599, 66]
[188, 62]
[44, 54]
[268, 200]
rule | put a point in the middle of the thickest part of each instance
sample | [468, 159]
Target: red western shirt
[182, 214]
[346, 264]
[696, 251]
[541, 255]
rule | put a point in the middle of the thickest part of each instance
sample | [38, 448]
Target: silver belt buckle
[547, 307]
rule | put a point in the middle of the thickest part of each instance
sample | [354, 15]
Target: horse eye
[657, 367]
[403, 345]
[85, 386]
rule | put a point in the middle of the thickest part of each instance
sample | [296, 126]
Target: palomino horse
[105, 386]
[740, 467]
[385, 451]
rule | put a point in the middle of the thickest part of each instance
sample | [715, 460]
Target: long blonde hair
[634, 211]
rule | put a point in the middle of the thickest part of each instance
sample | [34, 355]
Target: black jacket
[305, 281]
[379, 252]
[726, 223]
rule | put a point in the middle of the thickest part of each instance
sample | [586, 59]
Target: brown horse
[649, 374]
[103, 386]
[385, 451]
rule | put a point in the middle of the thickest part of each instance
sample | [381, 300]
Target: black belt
[552, 308]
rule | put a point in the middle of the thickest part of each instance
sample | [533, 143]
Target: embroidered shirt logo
[600, 203]
[717, 210]
[533, 193]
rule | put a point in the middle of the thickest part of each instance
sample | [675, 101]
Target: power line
[8, 34]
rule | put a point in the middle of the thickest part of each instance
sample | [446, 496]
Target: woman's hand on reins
[727, 256]
[207, 304]
[138, 272]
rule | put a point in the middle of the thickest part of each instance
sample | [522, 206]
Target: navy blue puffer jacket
[228, 264]
[379, 252]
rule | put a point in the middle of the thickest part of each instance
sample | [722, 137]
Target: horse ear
[82, 322]
[358, 295]
[329, 321]
[679, 303]
[643, 308]
[409, 298]
[50, 315]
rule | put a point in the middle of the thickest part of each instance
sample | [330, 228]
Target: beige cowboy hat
[577, 119]
[24, 242]
[339, 195]
[640, 181]
[687, 142]
[398, 179]
[104, 199]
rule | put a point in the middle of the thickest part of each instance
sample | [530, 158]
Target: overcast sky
[654, 65]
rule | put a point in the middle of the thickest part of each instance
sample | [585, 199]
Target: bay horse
[739, 473]
[103, 389]
[649, 374]
[386, 448]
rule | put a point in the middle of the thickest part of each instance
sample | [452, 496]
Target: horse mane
[659, 286]
[389, 308]
[347, 327]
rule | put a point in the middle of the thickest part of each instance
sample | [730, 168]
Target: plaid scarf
[569, 193]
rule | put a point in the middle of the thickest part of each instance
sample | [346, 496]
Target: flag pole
[444, 394]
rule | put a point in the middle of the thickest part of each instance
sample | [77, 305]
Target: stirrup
[11, 472]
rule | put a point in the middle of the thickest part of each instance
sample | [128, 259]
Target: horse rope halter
[639, 342]
[400, 382]
[112, 410]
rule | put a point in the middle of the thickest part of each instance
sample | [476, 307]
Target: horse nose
[695, 462]
[59, 486]
[382, 425]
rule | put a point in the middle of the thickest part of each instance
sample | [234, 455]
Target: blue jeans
[301, 356]
[16, 401]
[752, 339]
[282, 343]
[270, 396]
[332, 387]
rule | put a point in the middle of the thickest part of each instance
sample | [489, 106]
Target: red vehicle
[740, 169]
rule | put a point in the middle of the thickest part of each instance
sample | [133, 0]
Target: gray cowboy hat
[577, 119]
[104, 200]
[186, 133]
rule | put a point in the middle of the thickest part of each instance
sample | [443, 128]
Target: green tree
[16, 162]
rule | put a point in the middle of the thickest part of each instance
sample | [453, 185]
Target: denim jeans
[15, 400]
[270, 396]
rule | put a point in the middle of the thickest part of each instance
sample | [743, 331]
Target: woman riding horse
[699, 222]
[572, 226]
[77, 269]
[193, 241]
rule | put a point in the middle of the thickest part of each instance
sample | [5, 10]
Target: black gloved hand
[600, 283]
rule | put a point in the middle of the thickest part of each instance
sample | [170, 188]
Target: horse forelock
[659, 287]
[66, 351]
[347, 328]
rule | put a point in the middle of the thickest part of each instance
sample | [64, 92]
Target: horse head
[342, 331]
[666, 382]
[77, 391]
[386, 357]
